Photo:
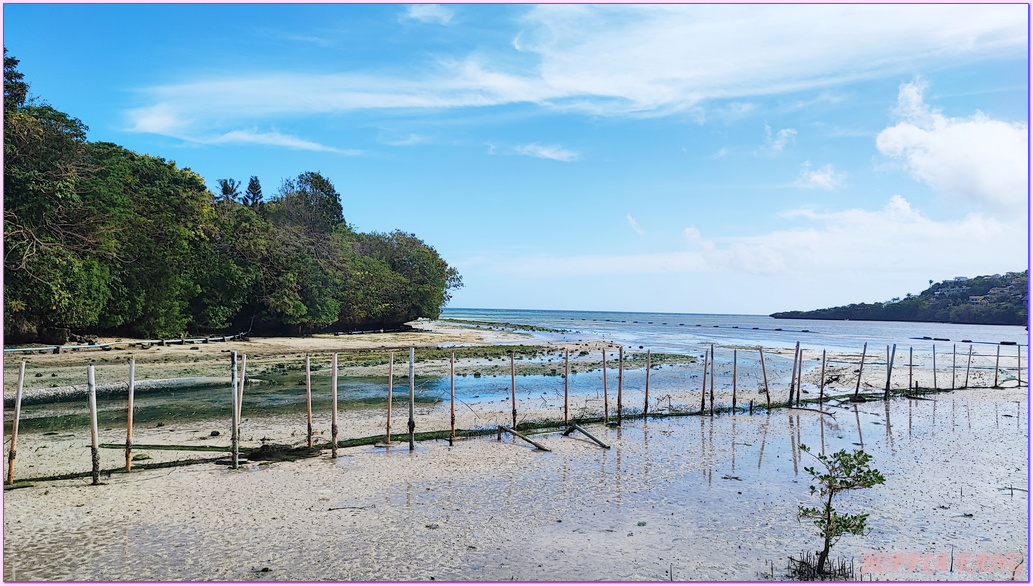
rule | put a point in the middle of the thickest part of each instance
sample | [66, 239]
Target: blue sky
[686, 158]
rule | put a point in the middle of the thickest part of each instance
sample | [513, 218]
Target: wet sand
[709, 498]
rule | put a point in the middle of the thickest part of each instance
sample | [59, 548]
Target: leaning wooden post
[452, 385]
[889, 369]
[95, 446]
[620, 384]
[860, 371]
[512, 384]
[764, 370]
[821, 385]
[129, 415]
[606, 394]
[333, 406]
[645, 407]
[735, 375]
[566, 385]
[703, 392]
[390, 389]
[240, 383]
[14, 427]
[234, 415]
[997, 365]
[968, 366]
[308, 397]
[412, 398]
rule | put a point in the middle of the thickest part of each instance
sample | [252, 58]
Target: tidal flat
[686, 498]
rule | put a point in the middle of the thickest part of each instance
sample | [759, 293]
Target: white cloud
[721, 153]
[977, 160]
[634, 226]
[554, 152]
[430, 13]
[618, 60]
[274, 139]
[896, 238]
[824, 178]
[775, 143]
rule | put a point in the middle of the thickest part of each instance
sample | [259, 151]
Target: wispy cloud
[978, 160]
[634, 226]
[554, 152]
[430, 13]
[615, 60]
[775, 143]
[274, 139]
[824, 178]
[721, 153]
[897, 237]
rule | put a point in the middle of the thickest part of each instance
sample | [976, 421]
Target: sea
[694, 332]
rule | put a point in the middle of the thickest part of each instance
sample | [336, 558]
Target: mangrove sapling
[843, 471]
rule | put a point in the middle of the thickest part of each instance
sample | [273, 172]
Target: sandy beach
[699, 497]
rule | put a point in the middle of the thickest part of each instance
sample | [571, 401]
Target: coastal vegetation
[991, 300]
[100, 239]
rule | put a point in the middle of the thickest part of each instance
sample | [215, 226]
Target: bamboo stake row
[238, 379]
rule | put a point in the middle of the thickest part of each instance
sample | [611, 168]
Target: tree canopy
[98, 238]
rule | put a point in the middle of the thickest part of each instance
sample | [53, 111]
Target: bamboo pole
[512, 384]
[910, 367]
[308, 397]
[821, 388]
[968, 367]
[14, 427]
[390, 390]
[240, 385]
[95, 443]
[523, 437]
[129, 415]
[735, 375]
[954, 367]
[799, 379]
[606, 396]
[333, 407]
[412, 398]
[620, 384]
[234, 415]
[792, 374]
[713, 367]
[452, 386]
[860, 371]
[935, 386]
[576, 427]
[566, 386]
[1019, 364]
[889, 369]
[997, 365]
[764, 370]
[645, 408]
[703, 392]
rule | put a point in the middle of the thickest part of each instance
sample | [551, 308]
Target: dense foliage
[98, 238]
[995, 299]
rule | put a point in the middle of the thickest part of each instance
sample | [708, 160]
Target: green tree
[253, 195]
[843, 471]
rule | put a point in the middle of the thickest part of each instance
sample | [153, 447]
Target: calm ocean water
[692, 332]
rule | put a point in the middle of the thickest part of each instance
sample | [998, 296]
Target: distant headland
[989, 299]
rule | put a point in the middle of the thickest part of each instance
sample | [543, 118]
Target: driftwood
[523, 437]
[577, 427]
